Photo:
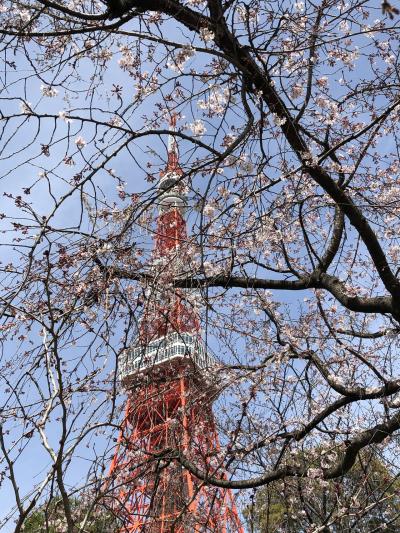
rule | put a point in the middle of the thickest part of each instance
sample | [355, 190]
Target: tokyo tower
[169, 407]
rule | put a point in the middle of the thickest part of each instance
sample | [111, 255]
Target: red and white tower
[166, 377]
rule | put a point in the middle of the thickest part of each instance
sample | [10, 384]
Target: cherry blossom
[48, 91]
[80, 142]
[198, 128]
[285, 120]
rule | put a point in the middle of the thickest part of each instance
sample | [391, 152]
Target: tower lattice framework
[169, 404]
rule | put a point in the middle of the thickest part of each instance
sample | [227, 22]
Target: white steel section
[172, 145]
[168, 180]
[173, 346]
[172, 195]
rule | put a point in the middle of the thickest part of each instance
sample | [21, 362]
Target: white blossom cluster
[178, 60]
[49, 91]
[206, 35]
[216, 102]
[198, 128]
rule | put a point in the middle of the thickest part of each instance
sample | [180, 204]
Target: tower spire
[173, 151]
[171, 225]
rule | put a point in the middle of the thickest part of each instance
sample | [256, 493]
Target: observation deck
[171, 190]
[165, 351]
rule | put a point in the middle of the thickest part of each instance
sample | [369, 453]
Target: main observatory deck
[141, 358]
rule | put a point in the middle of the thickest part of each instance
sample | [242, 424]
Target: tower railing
[141, 357]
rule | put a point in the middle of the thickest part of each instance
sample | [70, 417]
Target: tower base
[148, 489]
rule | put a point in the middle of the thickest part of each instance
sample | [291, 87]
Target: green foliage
[50, 518]
[365, 500]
